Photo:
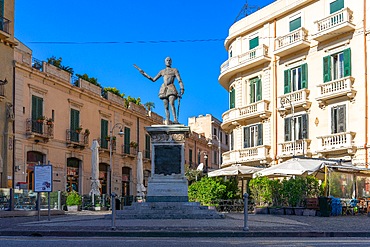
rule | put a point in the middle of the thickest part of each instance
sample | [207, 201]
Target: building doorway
[73, 174]
[33, 158]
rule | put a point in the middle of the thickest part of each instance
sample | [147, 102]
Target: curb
[187, 234]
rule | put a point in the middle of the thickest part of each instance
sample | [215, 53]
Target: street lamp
[210, 143]
[282, 112]
[120, 133]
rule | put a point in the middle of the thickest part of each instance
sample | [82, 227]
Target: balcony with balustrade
[294, 148]
[4, 28]
[76, 139]
[256, 111]
[292, 42]
[249, 156]
[299, 99]
[337, 143]
[247, 60]
[39, 129]
[129, 150]
[334, 89]
[334, 25]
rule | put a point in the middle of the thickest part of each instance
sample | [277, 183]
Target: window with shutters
[294, 24]
[255, 90]
[296, 78]
[253, 43]
[190, 157]
[126, 141]
[74, 125]
[253, 136]
[338, 119]
[1, 15]
[232, 98]
[300, 130]
[337, 66]
[232, 141]
[104, 133]
[336, 6]
[37, 112]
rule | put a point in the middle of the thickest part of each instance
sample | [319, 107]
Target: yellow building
[298, 84]
[216, 139]
[57, 118]
[7, 44]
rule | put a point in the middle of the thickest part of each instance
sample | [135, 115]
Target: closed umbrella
[140, 188]
[95, 183]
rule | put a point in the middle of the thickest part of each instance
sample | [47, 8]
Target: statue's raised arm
[168, 92]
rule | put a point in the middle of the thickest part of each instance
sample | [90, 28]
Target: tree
[149, 106]
[112, 90]
[92, 80]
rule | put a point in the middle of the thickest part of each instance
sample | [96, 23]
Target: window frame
[253, 135]
[301, 127]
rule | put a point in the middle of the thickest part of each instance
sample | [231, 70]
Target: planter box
[298, 211]
[289, 210]
[261, 210]
[72, 208]
[309, 212]
[276, 211]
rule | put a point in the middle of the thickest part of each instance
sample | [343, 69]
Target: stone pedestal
[168, 182]
[167, 192]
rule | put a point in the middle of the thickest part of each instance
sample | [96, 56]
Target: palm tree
[149, 105]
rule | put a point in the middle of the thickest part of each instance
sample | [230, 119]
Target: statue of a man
[168, 92]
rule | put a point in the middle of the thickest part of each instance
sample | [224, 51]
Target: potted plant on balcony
[133, 144]
[107, 138]
[87, 132]
[41, 119]
[73, 201]
[79, 129]
[49, 121]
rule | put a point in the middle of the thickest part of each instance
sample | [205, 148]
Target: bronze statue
[168, 92]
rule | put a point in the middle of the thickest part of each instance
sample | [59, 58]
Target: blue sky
[143, 32]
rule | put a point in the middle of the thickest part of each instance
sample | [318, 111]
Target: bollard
[245, 197]
[113, 199]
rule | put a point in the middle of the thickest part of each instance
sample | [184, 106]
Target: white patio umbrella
[140, 188]
[234, 170]
[95, 183]
[295, 166]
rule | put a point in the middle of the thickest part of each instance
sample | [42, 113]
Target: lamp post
[282, 112]
[210, 143]
[120, 133]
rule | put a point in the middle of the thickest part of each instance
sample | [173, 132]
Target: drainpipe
[275, 98]
[366, 92]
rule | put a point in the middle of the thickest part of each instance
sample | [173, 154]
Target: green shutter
[260, 135]
[287, 86]
[147, 146]
[127, 139]
[253, 43]
[287, 128]
[251, 91]
[347, 62]
[232, 98]
[333, 120]
[304, 126]
[1, 8]
[304, 76]
[75, 119]
[37, 107]
[295, 24]
[336, 6]
[341, 118]
[327, 68]
[259, 89]
[247, 137]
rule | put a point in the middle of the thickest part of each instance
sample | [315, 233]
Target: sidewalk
[90, 223]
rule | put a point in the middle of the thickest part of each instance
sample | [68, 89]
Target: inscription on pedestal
[167, 159]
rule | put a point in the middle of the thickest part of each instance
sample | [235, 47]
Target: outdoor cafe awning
[234, 170]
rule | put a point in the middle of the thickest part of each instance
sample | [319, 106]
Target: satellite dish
[200, 167]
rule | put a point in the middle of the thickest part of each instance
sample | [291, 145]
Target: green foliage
[112, 90]
[73, 198]
[192, 174]
[149, 105]
[289, 192]
[92, 80]
[210, 189]
[57, 62]
[133, 100]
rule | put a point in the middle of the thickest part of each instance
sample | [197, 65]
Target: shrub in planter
[74, 199]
